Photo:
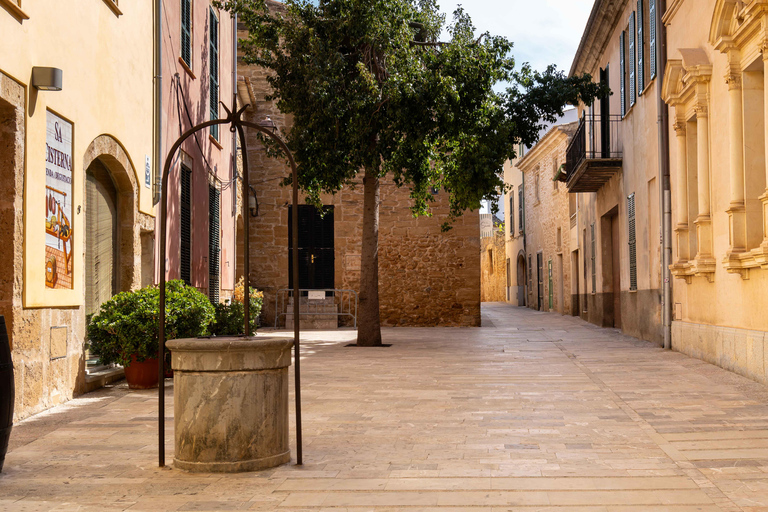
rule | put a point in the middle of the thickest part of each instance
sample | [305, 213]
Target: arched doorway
[102, 258]
[521, 279]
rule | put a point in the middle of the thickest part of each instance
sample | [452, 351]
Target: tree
[373, 91]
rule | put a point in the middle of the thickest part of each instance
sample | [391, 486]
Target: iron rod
[296, 311]
[246, 235]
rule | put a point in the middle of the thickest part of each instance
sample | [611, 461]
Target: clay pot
[142, 375]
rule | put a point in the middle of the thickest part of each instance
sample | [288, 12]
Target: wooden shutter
[186, 32]
[101, 237]
[214, 71]
[622, 73]
[521, 208]
[512, 213]
[640, 48]
[185, 228]
[594, 262]
[632, 61]
[632, 243]
[652, 34]
[214, 243]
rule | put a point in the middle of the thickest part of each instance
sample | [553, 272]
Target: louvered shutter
[652, 33]
[640, 48]
[185, 218]
[632, 243]
[594, 262]
[186, 32]
[521, 208]
[622, 72]
[512, 213]
[632, 61]
[214, 243]
[214, 71]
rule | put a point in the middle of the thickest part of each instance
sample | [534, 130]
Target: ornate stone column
[736, 210]
[683, 245]
[704, 262]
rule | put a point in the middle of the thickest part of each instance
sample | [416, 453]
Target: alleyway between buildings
[532, 412]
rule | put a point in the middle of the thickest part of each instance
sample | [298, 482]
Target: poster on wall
[58, 203]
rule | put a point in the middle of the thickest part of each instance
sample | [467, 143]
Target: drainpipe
[234, 107]
[664, 182]
[158, 93]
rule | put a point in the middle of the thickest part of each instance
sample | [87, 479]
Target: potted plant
[229, 316]
[125, 330]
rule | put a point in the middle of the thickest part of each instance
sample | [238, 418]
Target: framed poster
[58, 203]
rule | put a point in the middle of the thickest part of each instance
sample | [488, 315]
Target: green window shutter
[640, 49]
[521, 207]
[594, 262]
[632, 61]
[652, 34]
[185, 231]
[632, 243]
[214, 71]
[214, 243]
[622, 72]
[512, 213]
[186, 32]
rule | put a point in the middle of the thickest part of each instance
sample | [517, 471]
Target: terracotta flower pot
[142, 375]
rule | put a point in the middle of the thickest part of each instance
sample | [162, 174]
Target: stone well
[230, 403]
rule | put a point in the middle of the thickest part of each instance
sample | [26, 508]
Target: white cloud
[544, 31]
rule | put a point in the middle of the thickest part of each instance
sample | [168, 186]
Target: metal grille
[652, 33]
[632, 243]
[640, 48]
[594, 262]
[214, 71]
[185, 217]
[622, 72]
[186, 32]
[214, 243]
[632, 60]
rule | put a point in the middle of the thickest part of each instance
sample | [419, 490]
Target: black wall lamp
[46, 79]
[253, 203]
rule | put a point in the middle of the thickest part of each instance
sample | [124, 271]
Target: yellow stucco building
[716, 85]
[76, 201]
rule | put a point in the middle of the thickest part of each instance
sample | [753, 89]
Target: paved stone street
[532, 412]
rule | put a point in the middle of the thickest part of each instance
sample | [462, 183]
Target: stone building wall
[426, 277]
[493, 266]
[547, 221]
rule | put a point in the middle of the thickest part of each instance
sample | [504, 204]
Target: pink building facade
[198, 65]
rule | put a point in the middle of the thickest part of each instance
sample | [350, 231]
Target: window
[623, 72]
[536, 182]
[214, 243]
[632, 243]
[632, 60]
[186, 32]
[512, 212]
[652, 38]
[555, 183]
[641, 60]
[530, 275]
[521, 208]
[185, 231]
[594, 262]
[213, 63]
[490, 260]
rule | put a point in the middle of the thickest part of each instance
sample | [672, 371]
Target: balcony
[594, 155]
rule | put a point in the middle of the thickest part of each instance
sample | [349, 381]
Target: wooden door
[615, 264]
[316, 248]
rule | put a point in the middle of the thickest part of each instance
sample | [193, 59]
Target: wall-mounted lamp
[253, 203]
[46, 79]
[268, 123]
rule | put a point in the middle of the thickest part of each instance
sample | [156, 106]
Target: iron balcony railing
[598, 137]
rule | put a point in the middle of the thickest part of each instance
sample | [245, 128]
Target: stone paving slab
[533, 413]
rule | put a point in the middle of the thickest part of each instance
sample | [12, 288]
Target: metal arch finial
[234, 116]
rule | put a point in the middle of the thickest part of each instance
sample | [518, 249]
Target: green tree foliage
[127, 324]
[372, 90]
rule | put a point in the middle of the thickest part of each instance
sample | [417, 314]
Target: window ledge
[214, 141]
[187, 68]
[113, 6]
[14, 9]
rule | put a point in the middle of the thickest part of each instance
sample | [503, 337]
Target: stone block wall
[426, 277]
[493, 264]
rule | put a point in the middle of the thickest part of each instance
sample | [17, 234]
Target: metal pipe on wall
[664, 181]
[157, 161]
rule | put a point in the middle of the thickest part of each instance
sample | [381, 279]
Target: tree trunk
[369, 322]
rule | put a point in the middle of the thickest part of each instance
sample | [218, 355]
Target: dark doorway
[605, 118]
[540, 275]
[521, 279]
[611, 265]
[316, 251]
[615, 255]
[101, 237]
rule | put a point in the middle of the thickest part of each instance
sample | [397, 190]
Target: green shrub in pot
[230, 315]
[127, 324]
